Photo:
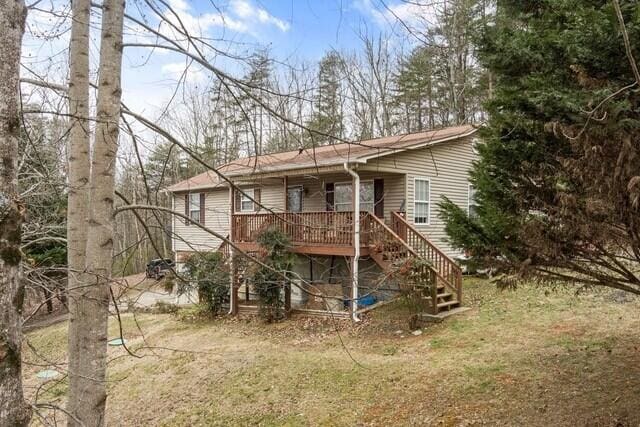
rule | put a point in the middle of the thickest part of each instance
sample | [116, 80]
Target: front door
[294, 198]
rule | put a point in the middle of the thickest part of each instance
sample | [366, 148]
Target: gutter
[356, 242]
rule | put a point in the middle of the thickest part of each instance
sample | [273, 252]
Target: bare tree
[78, 192]
[88, 391]
[13, 409]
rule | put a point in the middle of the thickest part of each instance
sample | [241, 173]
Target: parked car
[158, 268]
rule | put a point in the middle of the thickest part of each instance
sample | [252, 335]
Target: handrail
[322, 227]
[225, 248]
[379, 223]
[379, 233]
[446, 267]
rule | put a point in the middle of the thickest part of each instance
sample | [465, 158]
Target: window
[294, 198]
[472, 204]
[367, 196]
[343, 196]
[246, 204]
[422, 201]
[194, 207]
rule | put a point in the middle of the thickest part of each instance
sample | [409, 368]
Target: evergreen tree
[255, 120]
[414, 91]
[328, 117]
[557, 182]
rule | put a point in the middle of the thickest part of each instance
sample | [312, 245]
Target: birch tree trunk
[89, 391]
[78, 193]
[13, 409]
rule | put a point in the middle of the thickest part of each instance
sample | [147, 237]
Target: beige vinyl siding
[193, 238]
[447, 168]
[272, 197]
[314, 198]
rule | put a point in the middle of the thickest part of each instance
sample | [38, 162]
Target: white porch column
[232, 276]
[356, 241]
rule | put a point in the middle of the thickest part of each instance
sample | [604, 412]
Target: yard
[532, 356]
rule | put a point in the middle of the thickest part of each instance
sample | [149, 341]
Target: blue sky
[304, 28]
[293, 30]
[297, 30]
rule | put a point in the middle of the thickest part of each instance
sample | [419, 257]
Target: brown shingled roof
[326, 155]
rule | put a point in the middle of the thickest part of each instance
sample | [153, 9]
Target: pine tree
[557, 182]
[327, 119]
[414, 91]
[255, 120]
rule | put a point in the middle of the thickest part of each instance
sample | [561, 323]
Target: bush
[412, 284]
[268, 281]
[209, 274]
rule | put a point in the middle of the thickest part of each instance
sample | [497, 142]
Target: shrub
[268, 281]
[412, 283]
[209, 274]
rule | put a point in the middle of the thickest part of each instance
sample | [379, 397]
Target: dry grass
[524, 357]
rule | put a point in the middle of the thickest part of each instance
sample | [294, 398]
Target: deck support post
[287, 299]
[285, 182]
[355, 192]
[233, 295]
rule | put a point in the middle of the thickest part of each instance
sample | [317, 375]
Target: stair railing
[380, 237]
[225, 248]
[448, 270]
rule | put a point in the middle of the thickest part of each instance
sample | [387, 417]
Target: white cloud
[411, 14]
[241, 16]
[249, 12]
[179, 5]
[178, 70]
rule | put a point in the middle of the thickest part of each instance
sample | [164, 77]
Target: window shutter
[256, 197]
[236, 200]
[186, 208]
[328, 191]
[378, 197]
[202, 209]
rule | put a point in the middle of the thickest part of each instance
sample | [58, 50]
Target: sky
[292, 30]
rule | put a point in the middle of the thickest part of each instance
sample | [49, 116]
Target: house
[395, 183]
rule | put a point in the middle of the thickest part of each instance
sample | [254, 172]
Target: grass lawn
[533, 356]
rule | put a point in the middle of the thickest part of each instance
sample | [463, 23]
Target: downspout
[232, 278]
[173, 229]
[356, 241]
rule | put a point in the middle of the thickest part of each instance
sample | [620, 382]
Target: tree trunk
[78, 195]
[89, 390]
[14, 411]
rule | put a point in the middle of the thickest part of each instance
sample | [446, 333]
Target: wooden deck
[315, 233]
[439, 278]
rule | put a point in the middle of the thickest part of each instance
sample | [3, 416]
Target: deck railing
[327, 228]
[225, 248]
[447, 268]
[391, 248]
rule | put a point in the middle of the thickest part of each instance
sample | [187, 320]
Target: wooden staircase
[398, 246]
[432, 274]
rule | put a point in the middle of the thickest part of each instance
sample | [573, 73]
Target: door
[294, 198]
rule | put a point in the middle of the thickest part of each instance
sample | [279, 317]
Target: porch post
[285, 181]
[233, 297]
[356, 240]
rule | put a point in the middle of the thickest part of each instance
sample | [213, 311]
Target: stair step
[446, 297]
[439, 289]
[448, 303]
